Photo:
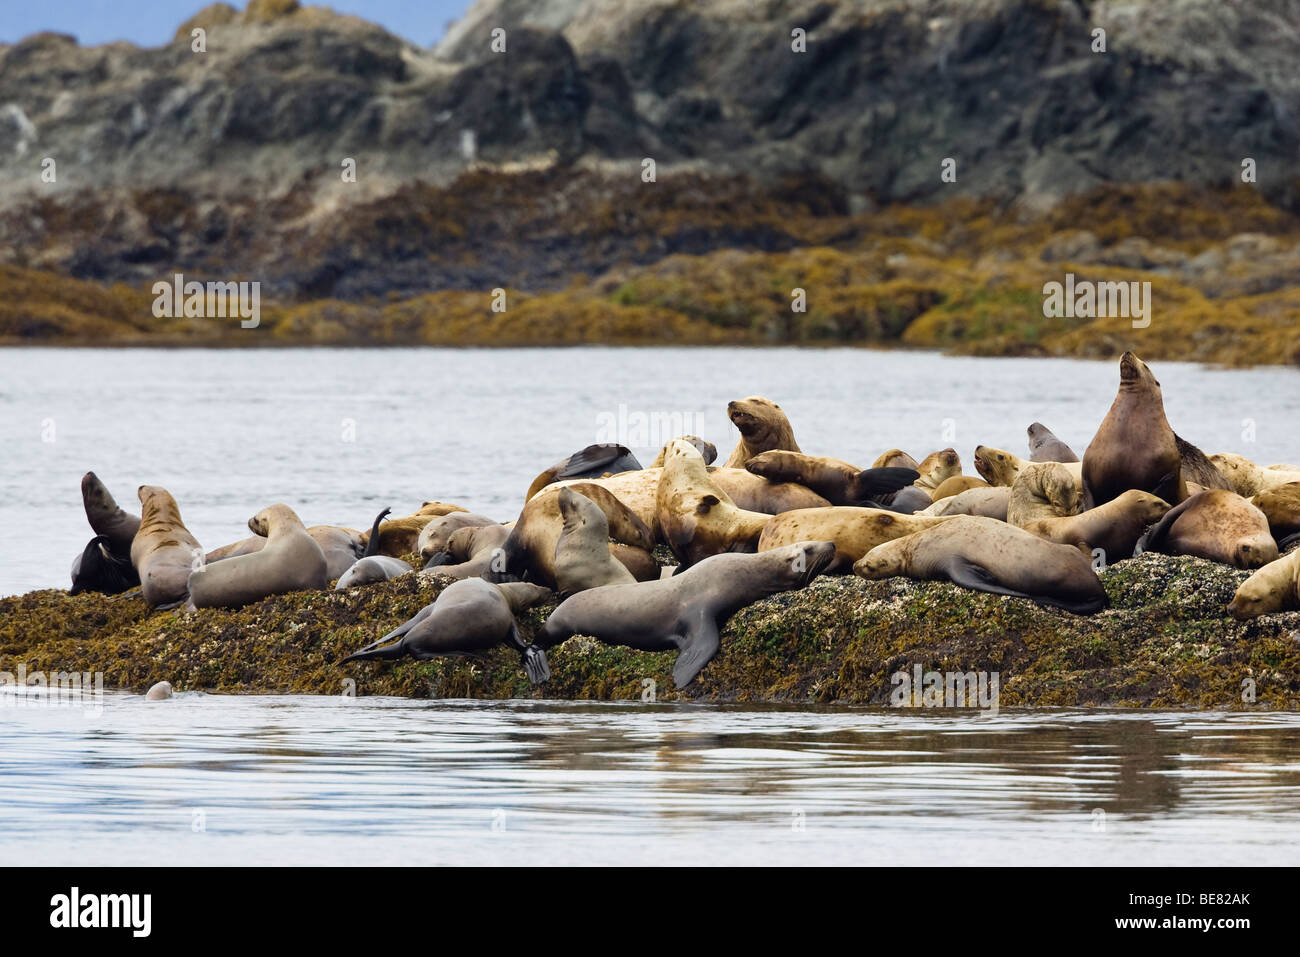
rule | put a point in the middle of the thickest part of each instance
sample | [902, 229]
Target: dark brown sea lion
[988, 555]
[1215, 524]
[1134, 446]
[104, 565]
[684, 612]
[839, 482]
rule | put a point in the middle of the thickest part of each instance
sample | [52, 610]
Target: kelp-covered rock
[1165, 642]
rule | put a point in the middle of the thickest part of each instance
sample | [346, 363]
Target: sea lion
[98, 569]
[855, 531]
[437, 509]
[1000, 467]
[529, 549]
[989, 502]
[159, 692]
[1043, 490]
[707, 449]
[291, 561]
[468, 616]
[1215, 524]
[163, 550]
[640, 562]
[937, 467]
[895, 458]
[400, 536]
[1197, 469]
[607, 458]
[341, 547]
[1114, 527]
[435, 536]
[370, 569]
[582, 556]
[638, 491]
[834, 479]
[1281, 506]
[1275, 587]
[696, 517]
[685, 611]
[910, 500]
[763, 427]
[1046, 447]
[470, 542]
[987, 555]
[1134, 446]
[1246, 478]
[955, 485]
[107, 518]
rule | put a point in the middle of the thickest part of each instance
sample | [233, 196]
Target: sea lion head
[1135, 375]
[1238, 471]
[707, 450]
[156, 502]
[996, 466]
[94, 493]
[576, 510]
[938, 466]
[1262, 593]
[761, 422]
[803, 561]
[523, 595]
[272, 518]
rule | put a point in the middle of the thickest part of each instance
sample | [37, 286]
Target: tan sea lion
[468, 616]
[955, 485]
[1275, 587]
[582, 556]
[163, 551]
[696, 517]
[341, 546]
[1114, 527]
[685, 611]
[839, 482]
[895, 458]
[707, 449]
[990, 502]
[1281, 506]
[1043, 490]
[1246, 478]
[855, 531]
[1134, 446]
[436, 509]
[1215, 524]
[987, 555]
[936, 468]
[1000, 467]
[763, 427]
[290, 561]
[529, 550]
[1046, 447]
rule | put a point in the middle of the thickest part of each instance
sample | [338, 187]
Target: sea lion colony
[769, 520]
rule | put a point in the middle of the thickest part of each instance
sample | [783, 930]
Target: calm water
[339, 434]
[207, 779]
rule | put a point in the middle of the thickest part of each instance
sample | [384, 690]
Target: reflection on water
[214, 779]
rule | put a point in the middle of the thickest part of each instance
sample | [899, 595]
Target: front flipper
[698, 646]
[967, 574]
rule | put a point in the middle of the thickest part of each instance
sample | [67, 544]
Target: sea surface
[212, 779]
[339, 434]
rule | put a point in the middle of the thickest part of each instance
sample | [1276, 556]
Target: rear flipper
[967, 574]
[872, 483]
[698, 646]
[372, 544]
[371, 652]
[536, 665]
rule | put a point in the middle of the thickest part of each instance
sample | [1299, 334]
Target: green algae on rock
[1166, 642]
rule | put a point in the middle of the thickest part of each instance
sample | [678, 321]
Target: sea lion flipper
[536, 666]
[372, 544]
[699, 645]
[881, 481]
[1154, 538]
[967, 574]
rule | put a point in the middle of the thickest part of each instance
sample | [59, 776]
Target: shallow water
[207, 779]
[341, 433]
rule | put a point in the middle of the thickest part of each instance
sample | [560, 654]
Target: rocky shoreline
[1165, 642]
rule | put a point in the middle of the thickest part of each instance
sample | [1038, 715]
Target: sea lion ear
[706, 503]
